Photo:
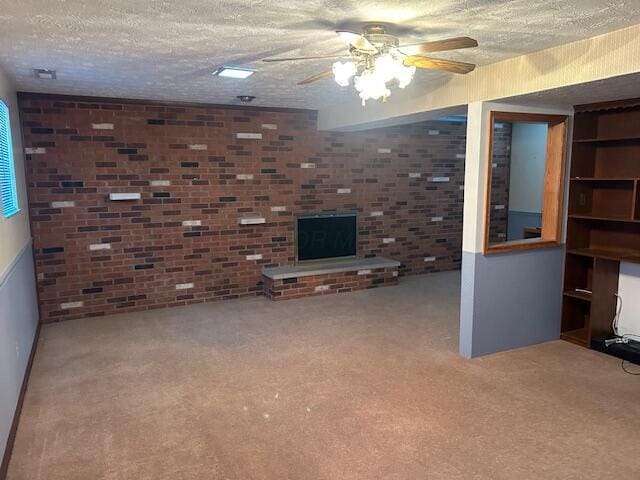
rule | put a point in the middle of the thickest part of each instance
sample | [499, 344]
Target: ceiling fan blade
[319, 76]
[439, 64]
[438, 46]
[357, 40]
[295, 59]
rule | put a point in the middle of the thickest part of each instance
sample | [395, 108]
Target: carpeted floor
[366, 385]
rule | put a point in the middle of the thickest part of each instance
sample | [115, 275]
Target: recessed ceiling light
[44, 73]
[246, 98]
[233, 72]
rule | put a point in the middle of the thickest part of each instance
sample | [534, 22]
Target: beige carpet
[365, 385]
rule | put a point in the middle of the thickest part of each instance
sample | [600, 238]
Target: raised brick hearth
[329, 283]
[284, 283]
[219, 188]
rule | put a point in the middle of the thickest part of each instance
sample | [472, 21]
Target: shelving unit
[604, 216]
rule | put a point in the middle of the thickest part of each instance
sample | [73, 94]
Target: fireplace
[326, 236]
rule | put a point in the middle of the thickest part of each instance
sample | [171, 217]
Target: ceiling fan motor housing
[378, 36]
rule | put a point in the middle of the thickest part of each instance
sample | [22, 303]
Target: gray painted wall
[510, 300]
[18, 323]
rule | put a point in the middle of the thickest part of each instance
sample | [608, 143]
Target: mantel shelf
[335, 266]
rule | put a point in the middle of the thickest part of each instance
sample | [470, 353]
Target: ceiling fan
[376, 58]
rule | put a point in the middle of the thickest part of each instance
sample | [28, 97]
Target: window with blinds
[8, 192]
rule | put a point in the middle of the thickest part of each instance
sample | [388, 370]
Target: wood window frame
[554, 182]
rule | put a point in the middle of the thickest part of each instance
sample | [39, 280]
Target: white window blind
[8, 191]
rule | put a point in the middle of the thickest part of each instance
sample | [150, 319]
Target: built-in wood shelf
[578, 336]
[578, 295]
[603, 227]
[604, 218]
[631, 256]
[603, 179]
[606, 140]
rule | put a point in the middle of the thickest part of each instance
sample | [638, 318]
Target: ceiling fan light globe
[386, 67]
[391, 66]
[342, 72]
[404, 75]
[371, 86]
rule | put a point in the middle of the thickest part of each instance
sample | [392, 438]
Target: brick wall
[181, 242]
[500, 177]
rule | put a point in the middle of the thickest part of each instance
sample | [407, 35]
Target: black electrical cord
[624, 369]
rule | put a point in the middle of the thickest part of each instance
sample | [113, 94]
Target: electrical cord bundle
[616, 317]
[626, 337]
[624, 369]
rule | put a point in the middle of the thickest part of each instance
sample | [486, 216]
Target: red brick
[204, 187]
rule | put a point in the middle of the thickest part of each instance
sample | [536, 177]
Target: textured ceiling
[165, 50]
